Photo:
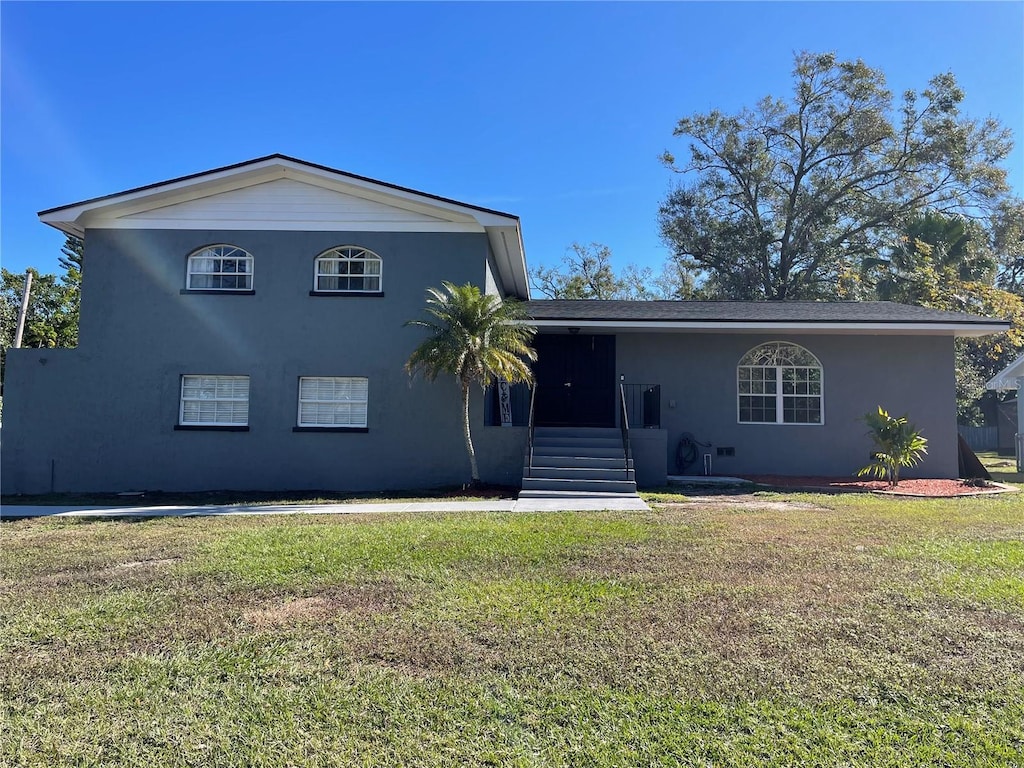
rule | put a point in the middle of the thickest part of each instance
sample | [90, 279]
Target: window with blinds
[216, 401]
[333, 401]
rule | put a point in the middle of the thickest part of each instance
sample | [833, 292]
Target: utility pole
[24, 309]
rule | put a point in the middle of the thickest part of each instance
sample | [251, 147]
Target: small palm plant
[476, 338]
[898, 445]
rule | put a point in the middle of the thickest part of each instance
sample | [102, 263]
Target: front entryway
[577, 460]
[575, 380]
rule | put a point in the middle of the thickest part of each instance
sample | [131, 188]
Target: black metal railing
[529, 440]
[643, 404]
[624, 425]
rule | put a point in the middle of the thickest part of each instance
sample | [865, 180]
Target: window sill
[218, 291]
[330, 429]
[781, 423]
[211, 428]
[350, 294]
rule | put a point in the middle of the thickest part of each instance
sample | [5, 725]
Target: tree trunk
[465, 433]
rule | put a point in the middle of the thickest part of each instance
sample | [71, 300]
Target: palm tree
[476, 338]
[933, 251]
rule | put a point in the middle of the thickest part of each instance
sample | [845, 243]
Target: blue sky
[554, 112]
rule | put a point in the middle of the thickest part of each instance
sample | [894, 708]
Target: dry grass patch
[330, 606]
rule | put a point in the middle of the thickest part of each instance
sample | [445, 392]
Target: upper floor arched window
[347, 269]
[220, 268]
[779, 383]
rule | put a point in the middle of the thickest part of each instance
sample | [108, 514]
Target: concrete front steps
[577, 461]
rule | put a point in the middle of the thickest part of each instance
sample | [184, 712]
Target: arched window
[779, 383]
[220, 268]
[347, 269]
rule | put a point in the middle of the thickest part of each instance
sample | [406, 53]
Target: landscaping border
[991, 489]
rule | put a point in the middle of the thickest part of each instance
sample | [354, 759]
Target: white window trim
[779, 395]
[330, 255]
[316, 425]
[182, 400]
[198, 254]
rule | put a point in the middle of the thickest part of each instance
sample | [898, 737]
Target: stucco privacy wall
[102, 417]
[904, 374]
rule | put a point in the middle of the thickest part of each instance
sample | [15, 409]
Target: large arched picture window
[220, 268]
[779, 383]
[348, 269]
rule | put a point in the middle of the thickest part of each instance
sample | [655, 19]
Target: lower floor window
[779, 383]
[333, 401]
[214, 401]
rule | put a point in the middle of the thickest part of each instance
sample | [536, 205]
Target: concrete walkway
[562, 504]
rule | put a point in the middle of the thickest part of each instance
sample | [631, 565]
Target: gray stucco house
[242, 328]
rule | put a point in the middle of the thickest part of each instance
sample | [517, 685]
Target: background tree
[979, 359]
[586, 273]
[676, 283]
[72, 257]
[1007, 232]
[947, 262]
[475, 338]
[52, 318]
[8, 319]
[932, 258]
[783, 200]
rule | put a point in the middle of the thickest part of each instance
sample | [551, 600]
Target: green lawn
[847, 630]
[1002, 468]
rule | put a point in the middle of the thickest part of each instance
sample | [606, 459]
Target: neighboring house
[242, 328]
[1012, 378]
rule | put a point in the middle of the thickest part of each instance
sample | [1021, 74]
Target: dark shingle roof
[747, 312]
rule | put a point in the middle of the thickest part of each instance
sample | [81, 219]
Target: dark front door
[575, 380]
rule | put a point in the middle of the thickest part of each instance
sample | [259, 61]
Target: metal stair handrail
[624, 426]
[529, 466]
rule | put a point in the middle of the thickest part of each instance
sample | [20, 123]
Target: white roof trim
[510, 257]
[746, 326]
[1009, 377]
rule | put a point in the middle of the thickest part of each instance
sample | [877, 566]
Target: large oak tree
[783, 200]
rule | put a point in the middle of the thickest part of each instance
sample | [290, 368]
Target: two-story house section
[243, 328]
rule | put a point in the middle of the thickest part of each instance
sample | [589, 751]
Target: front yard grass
[846, 630]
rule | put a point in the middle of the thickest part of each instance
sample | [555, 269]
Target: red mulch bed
[910, 487]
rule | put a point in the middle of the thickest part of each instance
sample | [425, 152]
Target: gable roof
[315, 197]
[802, 316]
[261, 160]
